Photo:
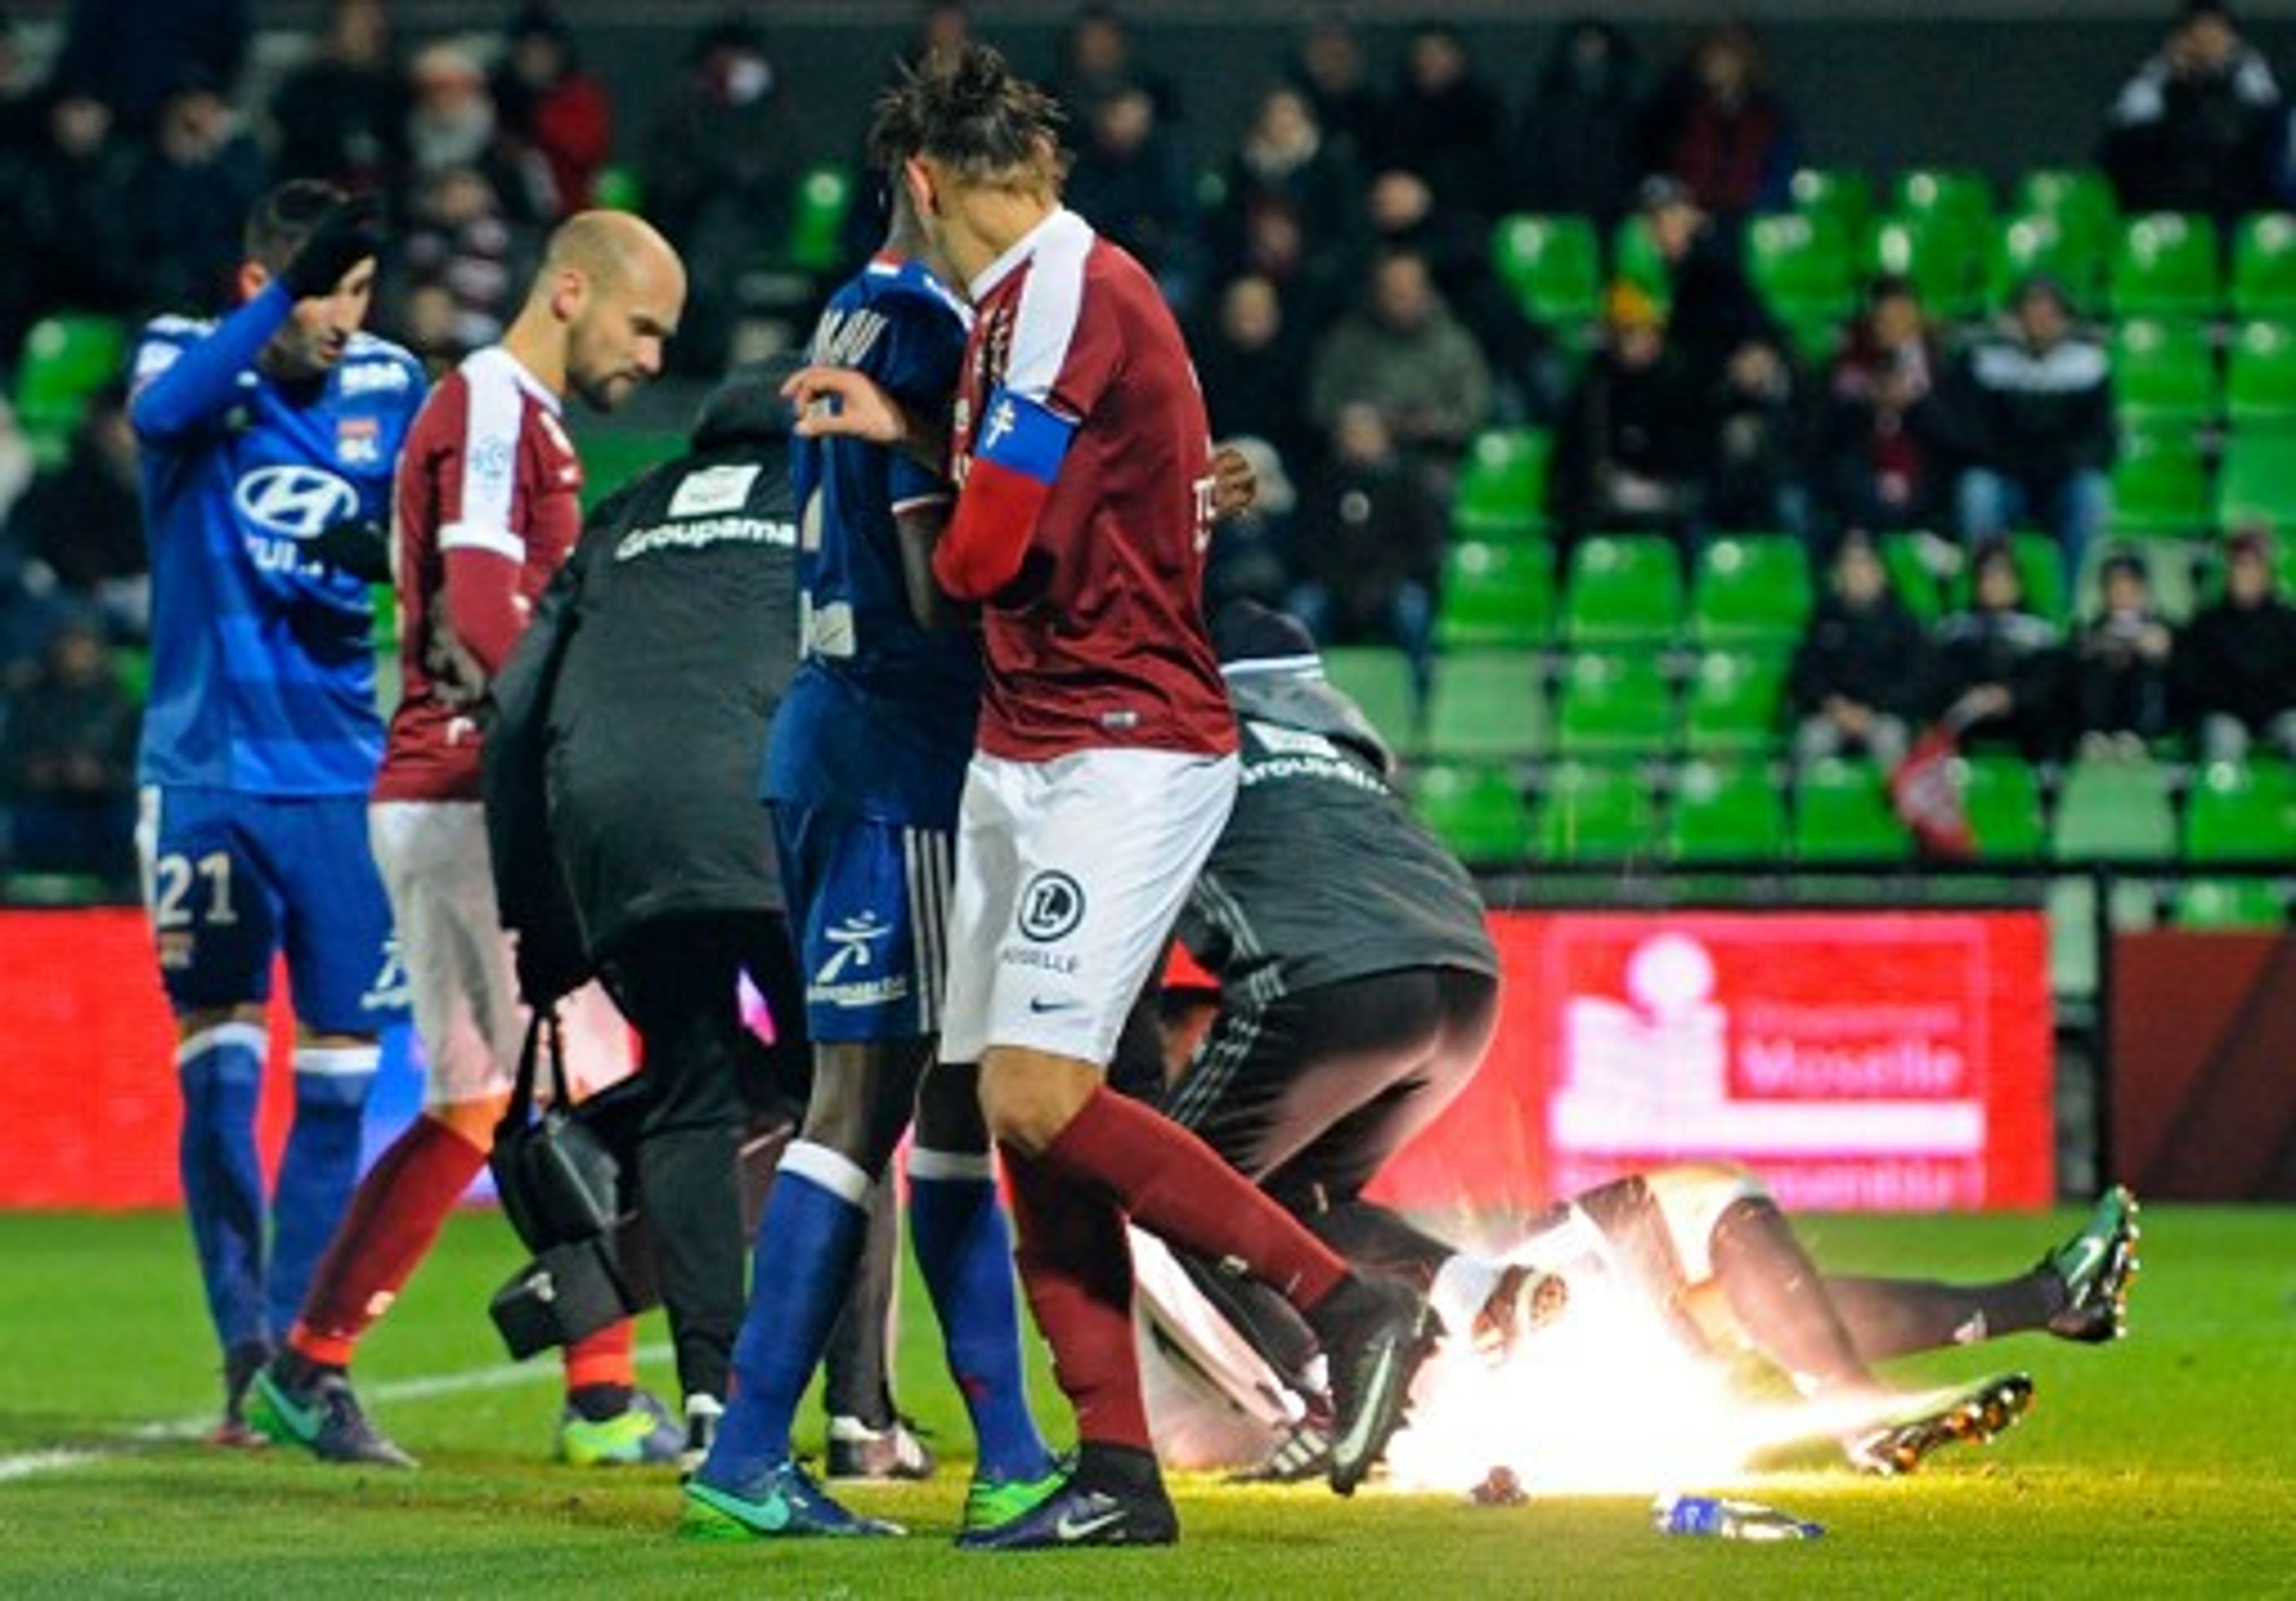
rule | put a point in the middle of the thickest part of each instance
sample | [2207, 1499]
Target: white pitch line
[502, 1375]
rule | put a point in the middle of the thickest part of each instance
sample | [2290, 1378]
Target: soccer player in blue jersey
[263, 438]
[866, 763]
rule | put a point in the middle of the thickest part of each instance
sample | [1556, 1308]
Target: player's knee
[1028, 1097]
[190, 1025]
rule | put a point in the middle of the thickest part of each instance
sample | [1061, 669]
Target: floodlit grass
[2166, 1465]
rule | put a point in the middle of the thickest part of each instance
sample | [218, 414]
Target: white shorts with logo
[1071, 874]
[462, 977]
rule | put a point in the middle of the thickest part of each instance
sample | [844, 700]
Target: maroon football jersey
[1101, 640]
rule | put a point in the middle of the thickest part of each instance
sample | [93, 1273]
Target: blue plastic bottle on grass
[1718, 1518]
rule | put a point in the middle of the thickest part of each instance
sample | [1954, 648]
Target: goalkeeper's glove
[357, 545]
[345, 236]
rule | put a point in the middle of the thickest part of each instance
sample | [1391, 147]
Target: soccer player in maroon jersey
[1104, 769]
[487, 508]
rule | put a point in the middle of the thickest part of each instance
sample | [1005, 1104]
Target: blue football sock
[319, 1169]
[802, 1270]
[221, 1073]
[965, 1248]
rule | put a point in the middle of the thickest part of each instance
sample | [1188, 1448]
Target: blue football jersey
[262, 658]
[879, 719]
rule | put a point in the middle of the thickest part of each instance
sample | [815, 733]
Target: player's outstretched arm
[180, 387]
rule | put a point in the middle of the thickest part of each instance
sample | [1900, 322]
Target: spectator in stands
[1284, 162]
[1627, 455]
[460, 239]
[19, 105]
[1998, 671]
[1406, 357]
[1251, 552]
[719, 172]
[1369, 545]
[943, 26]
[453, 122]
[131, 54]
[1097, 60]
[2198, 126]
[2236, 661]
[1446, 125]
[2121, 661]
[192, 187]
[67, 761]
[76, 227]
[1252, 372]
[1329, 65]
[1714, 313]
[1129, 181]
[340, 117]
[1857, 673]
[1573, 147]
[552, 104]
[1754, 478]
[1877, 467]
[1716, 127]
[83, 522]
[2029, 410]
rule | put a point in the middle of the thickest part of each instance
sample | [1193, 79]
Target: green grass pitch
[2163, 1466]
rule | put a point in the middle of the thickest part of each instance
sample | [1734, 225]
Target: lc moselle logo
[1052, 904]
[290, 504]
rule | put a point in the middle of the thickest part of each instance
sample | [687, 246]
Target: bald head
[607, 298]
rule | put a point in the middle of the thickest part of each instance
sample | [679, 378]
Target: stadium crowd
[1356, 311]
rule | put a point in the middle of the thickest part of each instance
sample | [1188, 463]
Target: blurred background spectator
[2121, 662]
[453, 122]
[79, 527]
[341, 116]
[1096, 61]
[1857, 674]
[1445, 125]
[1717, 128]
[1331, 65]
[1250, 362]
[1998, 671]
[1285, 171]
[1627, 455]
[190, 191]
[133, 55]
[1573, 149]
[2236, 662]
[1129, 177]
[1404, 356]
[2199, 126]
[460, 240]
[551, 104]
[1370, 543]
[1876, 465]
[67, 761]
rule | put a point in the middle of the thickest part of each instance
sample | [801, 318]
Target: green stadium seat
[2241, 809]
[2164, 374]
[2257, 481]
[1377, 679]
[2229, 903]
[2159, 487]
[2264, 266]
[1614, 703]
[1842, 813]
[1802, 265]
[1734, 700]
[1634, 259]
[1750, 587]
[1496, 594]
[2165, 265]
[66, 357]
[1477, 810]
[1486, 705]
[1915, 583]
[1501, 492]
[816, 235]
[2260, 380]
[1948, 261]
[1623, 587]
[2002, 798]
[1595, 812]
[1842, 194]
[2079, 196]
[2078, 259]
[2040, 565]
[619, 188]
[2114, 808]
[1940, 192]
[1726, 813]
[1553, 265]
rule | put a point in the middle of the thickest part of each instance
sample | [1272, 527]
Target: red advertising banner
[1873, 1060]
[1860, 1060]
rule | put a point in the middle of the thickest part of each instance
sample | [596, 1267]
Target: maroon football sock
[394, 1217]
[1075, 1265]
[1176, 1187]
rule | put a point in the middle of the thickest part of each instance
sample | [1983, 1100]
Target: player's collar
[1059, 219]
[521, 374]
